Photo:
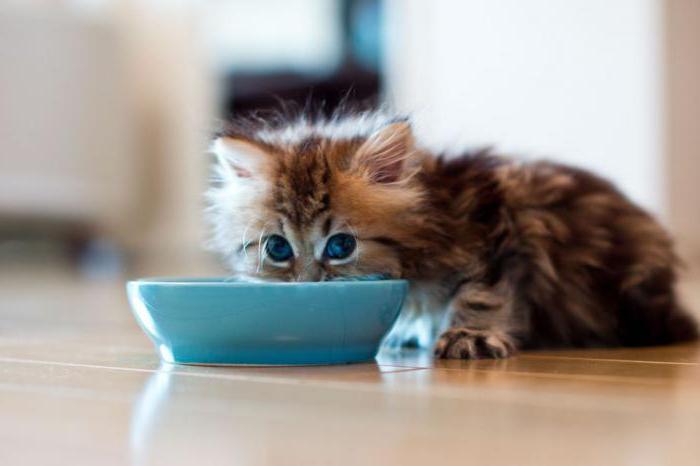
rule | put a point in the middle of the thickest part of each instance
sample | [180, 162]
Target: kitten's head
[314, 200]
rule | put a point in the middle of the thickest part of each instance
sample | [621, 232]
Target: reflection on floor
[80, 384]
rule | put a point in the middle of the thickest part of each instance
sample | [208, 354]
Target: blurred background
[106, 107]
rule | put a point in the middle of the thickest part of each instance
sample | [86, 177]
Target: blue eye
[278, 248]
[340, 246]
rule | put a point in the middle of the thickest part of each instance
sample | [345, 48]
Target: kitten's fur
[517, 255]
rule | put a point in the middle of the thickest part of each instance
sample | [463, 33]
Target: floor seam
[636, 361]
[287, 380]
[240, 376]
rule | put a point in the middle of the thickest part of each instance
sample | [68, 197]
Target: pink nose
[311, 272]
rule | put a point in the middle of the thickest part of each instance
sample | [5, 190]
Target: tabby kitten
[514, 255]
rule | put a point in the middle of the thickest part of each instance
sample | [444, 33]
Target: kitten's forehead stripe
[309, 145]
[327, 226]
[302, 192]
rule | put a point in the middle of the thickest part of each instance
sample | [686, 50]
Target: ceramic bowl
[220, 322]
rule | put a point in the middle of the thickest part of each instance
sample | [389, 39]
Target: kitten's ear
[384, 154]
[240, 158]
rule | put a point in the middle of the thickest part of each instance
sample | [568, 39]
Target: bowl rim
[222, 282]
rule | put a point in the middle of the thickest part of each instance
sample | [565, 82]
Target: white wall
[683, 124]
[579, 81]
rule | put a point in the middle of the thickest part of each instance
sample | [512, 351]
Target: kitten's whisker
[244, 241]
[260, 248]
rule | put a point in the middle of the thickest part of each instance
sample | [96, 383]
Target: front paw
[465, 343]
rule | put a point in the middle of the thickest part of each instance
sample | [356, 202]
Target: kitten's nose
[310, 272]
[309, 276]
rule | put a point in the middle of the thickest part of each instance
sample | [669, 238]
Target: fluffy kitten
[514, 255]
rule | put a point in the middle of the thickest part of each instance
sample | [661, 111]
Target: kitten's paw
[465, 343]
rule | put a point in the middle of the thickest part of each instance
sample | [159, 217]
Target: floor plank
[172, 418]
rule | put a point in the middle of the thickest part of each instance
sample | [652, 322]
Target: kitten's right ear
[384, 156]
[240, 158]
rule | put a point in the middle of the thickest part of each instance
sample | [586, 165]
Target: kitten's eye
[278, 248]
[340, 246]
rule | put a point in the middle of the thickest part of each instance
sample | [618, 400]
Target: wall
[580, 81]
[682, 26]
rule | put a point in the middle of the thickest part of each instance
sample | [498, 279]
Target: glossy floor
[80, 384]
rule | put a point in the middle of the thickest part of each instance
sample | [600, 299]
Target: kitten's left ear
[384, 154]
[240, 158]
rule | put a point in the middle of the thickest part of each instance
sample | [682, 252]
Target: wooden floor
[80, 384]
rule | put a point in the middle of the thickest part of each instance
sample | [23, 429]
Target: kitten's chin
[252, 279]
[362, 278]
[330, 278]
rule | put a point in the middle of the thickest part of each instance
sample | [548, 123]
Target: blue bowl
[214, 321]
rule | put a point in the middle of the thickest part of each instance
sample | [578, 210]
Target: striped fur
[513, 255]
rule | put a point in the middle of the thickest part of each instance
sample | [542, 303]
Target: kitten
[514, 255]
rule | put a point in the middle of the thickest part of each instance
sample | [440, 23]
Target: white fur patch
[234, 207]
[342, 128]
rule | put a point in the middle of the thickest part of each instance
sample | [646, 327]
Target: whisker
[260, 247]
[244, 241]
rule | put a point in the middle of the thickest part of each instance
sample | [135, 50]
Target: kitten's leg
[481, 324]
